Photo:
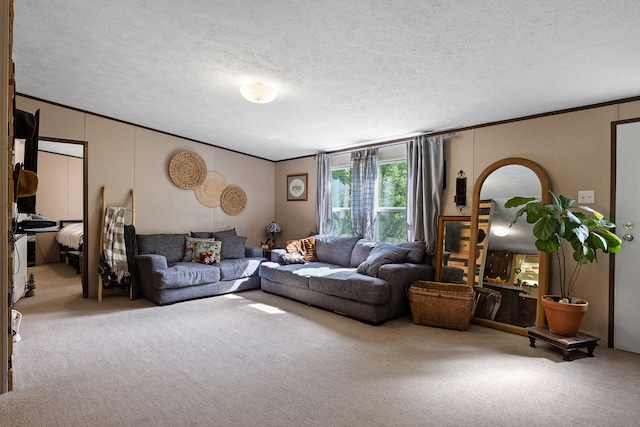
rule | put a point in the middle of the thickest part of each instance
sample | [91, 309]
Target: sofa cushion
[361, 251]
[353, 286]
[183, 274]
[286, 274]
[229, 232]
[232, 246]
[297, 274]
[231, 269]
[382, 253]
[214, 234]
[171, 246]
[194, 246]
[335, 250]
[417, 250]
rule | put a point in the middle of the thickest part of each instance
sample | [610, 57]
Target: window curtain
[425, 176]
[324, 222]
[364, 173]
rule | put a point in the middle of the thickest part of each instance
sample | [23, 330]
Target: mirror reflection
[452, 255]
[509, 278]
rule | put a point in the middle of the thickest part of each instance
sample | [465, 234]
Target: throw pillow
[293, 246]
[305, 247]
[381, 254]
[291, 258]
[232, 246]
[194, 246]
[208, 258]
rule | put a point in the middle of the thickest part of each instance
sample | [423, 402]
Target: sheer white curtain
[425, 176]
[324, 222]
[364, 173]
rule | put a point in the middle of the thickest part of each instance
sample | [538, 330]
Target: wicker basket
[444, 305]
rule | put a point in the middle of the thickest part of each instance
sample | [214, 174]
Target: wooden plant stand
[566, 344]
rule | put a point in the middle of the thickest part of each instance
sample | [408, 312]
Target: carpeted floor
[254, 359]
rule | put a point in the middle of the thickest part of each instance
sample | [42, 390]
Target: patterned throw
[113, 248]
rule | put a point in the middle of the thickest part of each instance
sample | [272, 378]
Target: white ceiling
[348, 72]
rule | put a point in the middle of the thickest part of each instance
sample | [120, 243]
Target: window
[391, 201]
[341, 201]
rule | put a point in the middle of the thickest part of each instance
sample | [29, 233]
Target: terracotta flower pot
[563, 319]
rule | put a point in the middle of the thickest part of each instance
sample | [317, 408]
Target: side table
[566, 344]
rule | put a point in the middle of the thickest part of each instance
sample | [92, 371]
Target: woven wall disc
[233, 200]
[211, 189]
[187, 169]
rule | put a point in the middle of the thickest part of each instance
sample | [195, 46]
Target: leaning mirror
[513, 274]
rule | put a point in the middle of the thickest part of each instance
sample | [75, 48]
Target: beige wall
[59, 197]
[575, 150]
[123, 157]
[297, 218]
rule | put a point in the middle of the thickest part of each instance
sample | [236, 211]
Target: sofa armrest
[399, 277]
[275, 254]
[146, 264]
[253, 252]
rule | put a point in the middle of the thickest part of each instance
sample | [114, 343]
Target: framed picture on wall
[297, 187]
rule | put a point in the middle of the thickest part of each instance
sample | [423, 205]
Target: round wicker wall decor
[211, 189]
[187, 170]
[233, 200]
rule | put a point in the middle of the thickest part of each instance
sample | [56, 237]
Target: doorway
[624, 330]
[62, 196]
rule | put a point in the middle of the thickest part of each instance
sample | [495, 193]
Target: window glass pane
[341, 223]
[392, 227]
[392, 188]
[341, 188]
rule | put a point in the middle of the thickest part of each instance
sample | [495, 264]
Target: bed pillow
[381, 254]
[194, 246]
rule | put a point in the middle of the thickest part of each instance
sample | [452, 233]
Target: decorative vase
[564, 318]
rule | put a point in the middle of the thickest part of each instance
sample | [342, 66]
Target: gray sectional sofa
[165, 277]
[354, 277]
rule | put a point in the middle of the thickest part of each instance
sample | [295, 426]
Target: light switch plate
[586, 197]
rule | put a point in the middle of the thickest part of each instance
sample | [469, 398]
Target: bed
[70, 238]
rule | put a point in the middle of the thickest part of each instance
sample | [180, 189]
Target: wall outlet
[586, 197]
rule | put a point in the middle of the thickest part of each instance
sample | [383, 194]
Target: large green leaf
[518, 201]
[545, 227]
[549, 246]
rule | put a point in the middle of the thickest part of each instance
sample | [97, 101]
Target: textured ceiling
[347, 72]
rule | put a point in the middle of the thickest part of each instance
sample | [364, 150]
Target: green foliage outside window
[392, 193]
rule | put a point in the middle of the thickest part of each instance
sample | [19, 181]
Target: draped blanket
[113, 261]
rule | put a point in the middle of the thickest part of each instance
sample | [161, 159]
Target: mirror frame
[543, 279]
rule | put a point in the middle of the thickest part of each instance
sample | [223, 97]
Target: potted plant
[586, 230]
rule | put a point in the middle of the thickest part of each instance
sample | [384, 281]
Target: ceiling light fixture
[258, 93]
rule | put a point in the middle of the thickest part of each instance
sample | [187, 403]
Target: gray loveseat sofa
[166, 278]
[355, 277]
